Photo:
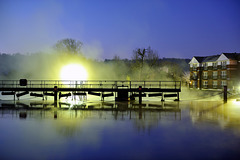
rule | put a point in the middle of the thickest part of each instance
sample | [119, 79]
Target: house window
[214, 65]
[205, 75]
[194, 67]
[215, 84]
[223, 74]
[224, 64]
[205, 84]
[194, 75]
[215, 74]
[194, 84]
[205, 66]
[224, 83]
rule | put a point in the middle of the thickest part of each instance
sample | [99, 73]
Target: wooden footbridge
[122, 90]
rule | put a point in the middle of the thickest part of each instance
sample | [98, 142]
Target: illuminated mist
[50, 66]
[73, 72]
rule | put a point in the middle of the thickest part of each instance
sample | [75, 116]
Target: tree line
[144, 64]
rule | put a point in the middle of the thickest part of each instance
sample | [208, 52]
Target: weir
[122, 90]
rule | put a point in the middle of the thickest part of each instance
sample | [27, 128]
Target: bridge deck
[122, 88]
[112, 86]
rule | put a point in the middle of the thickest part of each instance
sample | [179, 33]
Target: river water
[107, 130]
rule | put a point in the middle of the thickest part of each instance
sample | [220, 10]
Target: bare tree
[144, 58]
[116, 58]
[69, 46]
[152, 57]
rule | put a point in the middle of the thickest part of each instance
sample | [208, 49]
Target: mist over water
[109, 130]
[47, 65]
[200, 126]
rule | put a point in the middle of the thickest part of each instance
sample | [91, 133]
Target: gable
[222, 58]
[194, 60]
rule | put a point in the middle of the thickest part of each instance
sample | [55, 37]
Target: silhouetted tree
[116, 58]
[144, 58]
[69, 46]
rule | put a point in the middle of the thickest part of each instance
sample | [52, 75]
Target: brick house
[214, 72]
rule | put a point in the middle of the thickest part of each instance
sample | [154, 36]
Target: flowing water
[108, 130]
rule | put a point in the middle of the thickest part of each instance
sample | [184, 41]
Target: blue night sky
[174, 28]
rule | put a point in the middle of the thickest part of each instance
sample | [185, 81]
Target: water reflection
[225, 115]
[144, 116]
[109, 130]
[121, 110]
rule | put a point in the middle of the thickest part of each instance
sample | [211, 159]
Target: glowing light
[236, 102]
[73, 72]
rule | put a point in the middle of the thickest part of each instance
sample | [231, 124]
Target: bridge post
[140, 94]
[225, 94]
[177, 97]
[55, 93]
[162, 97]
[102, 96]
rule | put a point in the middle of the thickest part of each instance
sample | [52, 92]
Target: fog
[47, 66]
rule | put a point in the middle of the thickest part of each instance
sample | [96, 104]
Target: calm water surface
[96, 130]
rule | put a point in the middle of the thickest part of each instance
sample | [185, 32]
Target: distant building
[214, 72]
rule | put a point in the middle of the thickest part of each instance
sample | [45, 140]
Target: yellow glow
[237, 101]
[73, 72]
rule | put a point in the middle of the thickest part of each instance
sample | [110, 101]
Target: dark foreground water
[96, 130]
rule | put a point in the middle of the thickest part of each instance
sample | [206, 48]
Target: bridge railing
[90, 84]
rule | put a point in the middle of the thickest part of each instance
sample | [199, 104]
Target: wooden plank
[170, 95]
[154, 94]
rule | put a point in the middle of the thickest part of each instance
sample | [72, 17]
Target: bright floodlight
[73, 72]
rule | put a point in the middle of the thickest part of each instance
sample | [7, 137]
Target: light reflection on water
[109, 130]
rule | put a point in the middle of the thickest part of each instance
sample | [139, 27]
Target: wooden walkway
[103, 88]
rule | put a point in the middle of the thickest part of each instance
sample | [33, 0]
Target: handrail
[90, 84]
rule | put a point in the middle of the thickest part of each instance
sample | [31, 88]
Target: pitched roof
[232, 55]
[207, 58]
[199, 59]
[211, 58]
